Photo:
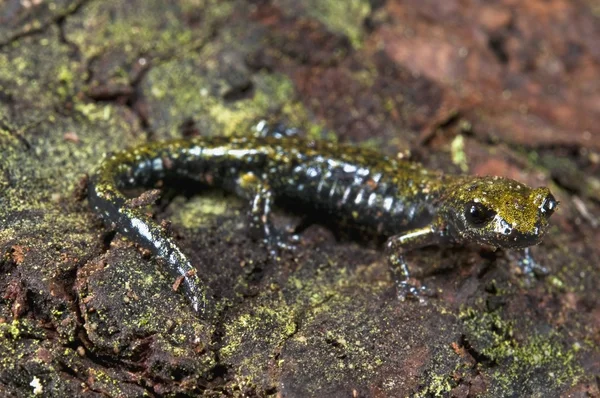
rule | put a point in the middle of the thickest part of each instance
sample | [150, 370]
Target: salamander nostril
[506, 228]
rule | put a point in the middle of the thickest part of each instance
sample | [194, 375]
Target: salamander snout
[515, 238]
[501, 212]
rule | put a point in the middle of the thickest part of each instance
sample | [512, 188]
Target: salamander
[399, 199]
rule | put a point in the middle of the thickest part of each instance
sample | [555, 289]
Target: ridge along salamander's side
[411, 205]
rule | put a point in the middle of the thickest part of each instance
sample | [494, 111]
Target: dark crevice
[55, 20]
[104, 360]
[20, 35]
[239, 92]
[480, 358]
[373, 21]
[65, 368]
[8, 181]
[89, 68]
[219, 371]
[427, 136]
[75, 52]
[107, 239]
[377, 4]
[489, 266]
[189, 128]
[490, 261]
[21, 138]
[497, 43]
[6, 97]
[255, 275]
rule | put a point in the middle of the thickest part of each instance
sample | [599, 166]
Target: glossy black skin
[415, 207]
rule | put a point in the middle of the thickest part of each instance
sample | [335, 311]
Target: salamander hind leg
[260, 195]
[396, 247]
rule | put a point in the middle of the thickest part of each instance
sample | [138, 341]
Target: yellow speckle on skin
[247, 180]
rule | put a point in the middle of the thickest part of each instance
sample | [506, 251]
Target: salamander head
[498, 211]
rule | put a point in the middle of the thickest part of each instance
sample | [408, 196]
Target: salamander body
[411, 205]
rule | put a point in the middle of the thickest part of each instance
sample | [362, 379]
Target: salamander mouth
[515, 239]
[520, 241]
[503, 234]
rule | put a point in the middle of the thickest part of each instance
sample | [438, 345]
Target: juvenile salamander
[413, 206]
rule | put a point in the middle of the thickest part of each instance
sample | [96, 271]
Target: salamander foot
[277, 242]
[405, 287]
[530, 267]
[406, 290]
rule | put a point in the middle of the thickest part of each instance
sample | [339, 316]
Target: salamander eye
[477, 214]
[549, 205]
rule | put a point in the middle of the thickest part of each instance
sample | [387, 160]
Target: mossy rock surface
[482, 88]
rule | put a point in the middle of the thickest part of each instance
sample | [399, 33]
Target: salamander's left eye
[549, 205]
[478, 214]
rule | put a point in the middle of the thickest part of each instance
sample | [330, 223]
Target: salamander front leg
[259, 214]
[529, 266]
[397, 245]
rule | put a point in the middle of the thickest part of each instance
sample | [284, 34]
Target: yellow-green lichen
[437, 386]
[457, 149]
[118, 30]
[183, 93]
[520, 358]
[200, 210]
[11, 329]
[345, 17]
[273, 323]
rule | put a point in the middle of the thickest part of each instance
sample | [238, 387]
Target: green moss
[331, 302]
[344, 17]
[556, 282]
[252, 338]
[45, 87]
[174, 87]
[94, 112]
[130, 34]
[493, 336]
[48, 173]
[243, 113]
[275, 323]
[457, 150]
[20, 327]
[201, 210]
[11, 329]
[437, 386]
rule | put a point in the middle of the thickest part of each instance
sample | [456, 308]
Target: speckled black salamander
[397, 198]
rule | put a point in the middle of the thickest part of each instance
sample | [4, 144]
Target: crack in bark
[74, 8]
